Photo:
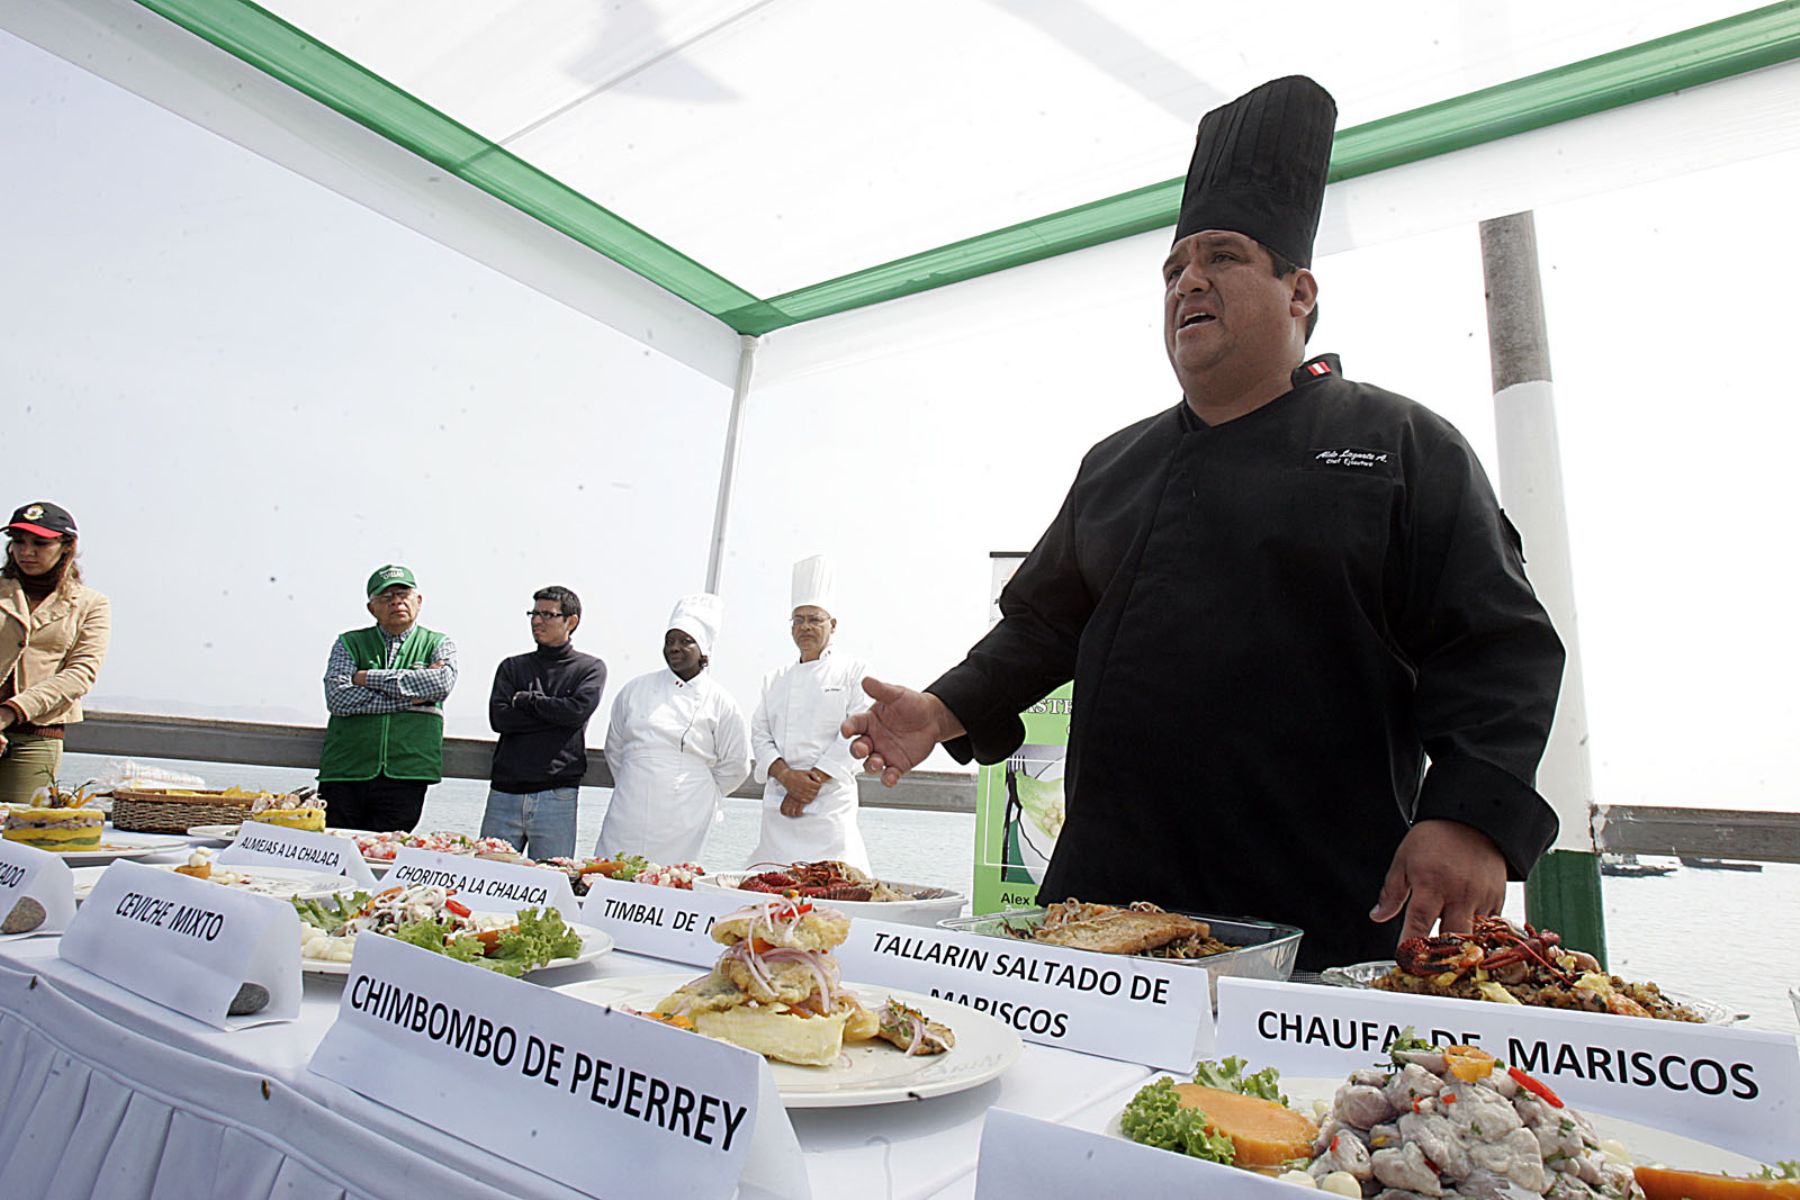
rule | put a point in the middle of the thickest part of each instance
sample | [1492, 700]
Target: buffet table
[110, 1095]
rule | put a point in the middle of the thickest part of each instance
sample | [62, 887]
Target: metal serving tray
[1267, 950]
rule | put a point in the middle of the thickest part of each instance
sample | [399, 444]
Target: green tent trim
[1746, 42]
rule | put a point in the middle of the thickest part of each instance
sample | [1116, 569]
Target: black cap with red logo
[42, 518]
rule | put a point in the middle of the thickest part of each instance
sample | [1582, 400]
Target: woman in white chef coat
[802, 759]
[676, 744]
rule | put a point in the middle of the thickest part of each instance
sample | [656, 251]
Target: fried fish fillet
[818, 929]
[1116, 930]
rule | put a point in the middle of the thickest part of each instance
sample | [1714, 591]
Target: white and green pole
[1563, 893]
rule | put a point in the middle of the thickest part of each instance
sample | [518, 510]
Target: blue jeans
[539, 824]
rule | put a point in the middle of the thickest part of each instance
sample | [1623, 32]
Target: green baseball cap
[390, 576]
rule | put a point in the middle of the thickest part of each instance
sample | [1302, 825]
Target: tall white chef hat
[815, 583]
[699, 616]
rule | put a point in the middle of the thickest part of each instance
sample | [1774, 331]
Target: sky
[252, 391]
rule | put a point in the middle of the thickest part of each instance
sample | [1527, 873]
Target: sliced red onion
[918, 1036]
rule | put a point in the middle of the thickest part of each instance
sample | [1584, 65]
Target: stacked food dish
[775, 990]
[57, 819]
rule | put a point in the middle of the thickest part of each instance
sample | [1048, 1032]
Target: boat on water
[1627, 866]
[1719, 864]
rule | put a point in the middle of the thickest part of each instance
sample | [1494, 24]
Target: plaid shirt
[387, 690]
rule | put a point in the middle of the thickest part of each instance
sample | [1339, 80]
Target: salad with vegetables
[433, 919]
[627, 868]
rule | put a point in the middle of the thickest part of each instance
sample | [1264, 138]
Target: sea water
[1729, 936]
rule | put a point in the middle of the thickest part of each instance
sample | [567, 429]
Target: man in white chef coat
[802, 760]
[677, 744]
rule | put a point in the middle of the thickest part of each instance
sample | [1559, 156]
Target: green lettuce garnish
[539, 938]
[1781, 1170]
[1228, 1076]
[1155, 1118]
[630, 866]
[1408, 1040]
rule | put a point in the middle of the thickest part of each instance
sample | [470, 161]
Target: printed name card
[662, 922]
[556, 1084]
[262, 845]
[1023, 1158]
[37, 891]
[484, 884]
[1134, 1009]
[1736, 1088]
[196, 947]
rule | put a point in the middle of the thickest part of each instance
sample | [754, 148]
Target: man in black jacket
[1277, 599]
[540, 708]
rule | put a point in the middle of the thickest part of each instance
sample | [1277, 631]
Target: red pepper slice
[457, 907]
[1541, 1091]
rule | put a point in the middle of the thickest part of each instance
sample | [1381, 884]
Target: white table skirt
[105, 1094]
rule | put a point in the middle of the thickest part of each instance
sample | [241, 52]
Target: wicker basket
[159, 812]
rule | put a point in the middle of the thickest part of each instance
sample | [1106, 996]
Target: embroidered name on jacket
[1351, 457]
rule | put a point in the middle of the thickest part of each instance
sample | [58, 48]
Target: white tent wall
[252, 391]
[120, 41]
[1668, 305]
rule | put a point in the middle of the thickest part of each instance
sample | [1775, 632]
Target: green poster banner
[1019, 809]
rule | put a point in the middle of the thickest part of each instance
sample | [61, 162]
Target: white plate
[1645, 1144]
[114, 846]
[280, 882]
[594, 943]
[902, 912]
[877, 1072]
[1364, 975]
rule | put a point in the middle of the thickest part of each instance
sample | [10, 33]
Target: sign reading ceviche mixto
[1137, 1010]
[1023, 1158]
[1737, 1088]
[1019, 803]
[41, 879]
[486, 885]
[259, 844]
[575, 1091]
[190, 945]
[663, 922]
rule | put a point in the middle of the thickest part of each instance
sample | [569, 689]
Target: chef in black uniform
[1276, 599]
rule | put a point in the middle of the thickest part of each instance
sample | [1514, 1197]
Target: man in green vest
[385, 688]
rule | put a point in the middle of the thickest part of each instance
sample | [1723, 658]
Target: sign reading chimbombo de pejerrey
[1736, 1088]
[37, 891]
[1134, 1009]
[486, 885]
[262, 845]
[670, 923]
[550, 1079]
[218, 954]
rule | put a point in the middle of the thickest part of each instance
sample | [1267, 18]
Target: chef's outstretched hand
[1444, 873]
[899, 729]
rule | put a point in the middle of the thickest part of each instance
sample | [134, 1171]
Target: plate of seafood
[775, 991]
[1506, 963]
[842, 886]
[1235, 946]
[1392, 1126]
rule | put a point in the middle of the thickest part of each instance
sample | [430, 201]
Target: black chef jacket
[1270, 623]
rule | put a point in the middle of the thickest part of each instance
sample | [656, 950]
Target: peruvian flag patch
[1321, 367]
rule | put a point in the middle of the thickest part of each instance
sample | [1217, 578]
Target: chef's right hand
[899, 729]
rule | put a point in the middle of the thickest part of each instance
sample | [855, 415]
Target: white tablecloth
[105, 1094]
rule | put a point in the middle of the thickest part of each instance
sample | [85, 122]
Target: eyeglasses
[810, 622]
[395, 596]
[539, 615]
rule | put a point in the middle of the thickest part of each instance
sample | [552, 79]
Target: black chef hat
[1259, 167]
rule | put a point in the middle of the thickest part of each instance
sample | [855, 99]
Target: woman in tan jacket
[53, 636]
